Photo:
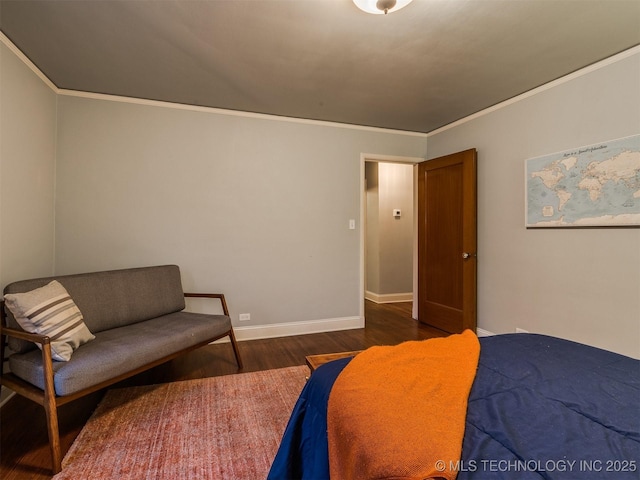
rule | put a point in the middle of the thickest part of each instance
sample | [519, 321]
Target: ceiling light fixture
[381, 6]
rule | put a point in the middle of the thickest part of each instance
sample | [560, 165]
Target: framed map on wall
[593, 186]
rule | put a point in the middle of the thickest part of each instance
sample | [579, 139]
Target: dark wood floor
[24, 446]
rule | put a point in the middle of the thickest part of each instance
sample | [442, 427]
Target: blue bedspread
[540, 408]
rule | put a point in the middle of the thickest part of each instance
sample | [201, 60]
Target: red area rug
[213, 428]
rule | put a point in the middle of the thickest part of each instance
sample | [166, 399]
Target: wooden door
[447, 222]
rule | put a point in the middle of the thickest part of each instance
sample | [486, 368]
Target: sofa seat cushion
[120, 350]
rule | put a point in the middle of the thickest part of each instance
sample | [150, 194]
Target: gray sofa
[137, 317]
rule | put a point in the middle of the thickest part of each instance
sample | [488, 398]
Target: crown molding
[542, 88]
[179, 106]
[234, 113]
[18, 53]
[220, 111]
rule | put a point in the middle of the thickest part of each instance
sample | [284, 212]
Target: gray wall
[259, 208]
[396, 245]
[372, 234]
[256, 208]
[389, 239]
[27, 171]
[581, 284]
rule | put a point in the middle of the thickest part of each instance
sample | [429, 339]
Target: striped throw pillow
[50, 311]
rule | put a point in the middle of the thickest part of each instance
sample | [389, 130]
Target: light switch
[352, 224]
[397, 213]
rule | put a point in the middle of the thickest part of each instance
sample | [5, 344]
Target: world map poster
[593, 186]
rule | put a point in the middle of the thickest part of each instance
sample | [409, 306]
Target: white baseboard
[258, 332]
[481, 332]
[388, 297]
[5, 395]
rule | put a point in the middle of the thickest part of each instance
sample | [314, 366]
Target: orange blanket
[399, 412]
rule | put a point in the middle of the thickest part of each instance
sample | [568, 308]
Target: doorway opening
[388, 244]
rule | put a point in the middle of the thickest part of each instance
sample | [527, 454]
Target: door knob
[467, 255]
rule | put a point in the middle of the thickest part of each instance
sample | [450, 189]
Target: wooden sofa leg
[236, 351]
[51, 408]
[54, 436]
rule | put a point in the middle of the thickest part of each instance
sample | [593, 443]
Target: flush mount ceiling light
[381, 6]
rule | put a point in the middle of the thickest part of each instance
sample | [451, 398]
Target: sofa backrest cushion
[114, 298]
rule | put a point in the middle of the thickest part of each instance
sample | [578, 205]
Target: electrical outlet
[243, 317]
[521, 330]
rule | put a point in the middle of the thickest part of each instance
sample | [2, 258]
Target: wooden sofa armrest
[43, 340]
[219, 296]
[225, 310]
[22, 335]
[6, 331]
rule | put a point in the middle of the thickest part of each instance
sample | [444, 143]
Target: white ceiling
[425, 66]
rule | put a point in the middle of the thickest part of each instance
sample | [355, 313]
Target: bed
[539, 407]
